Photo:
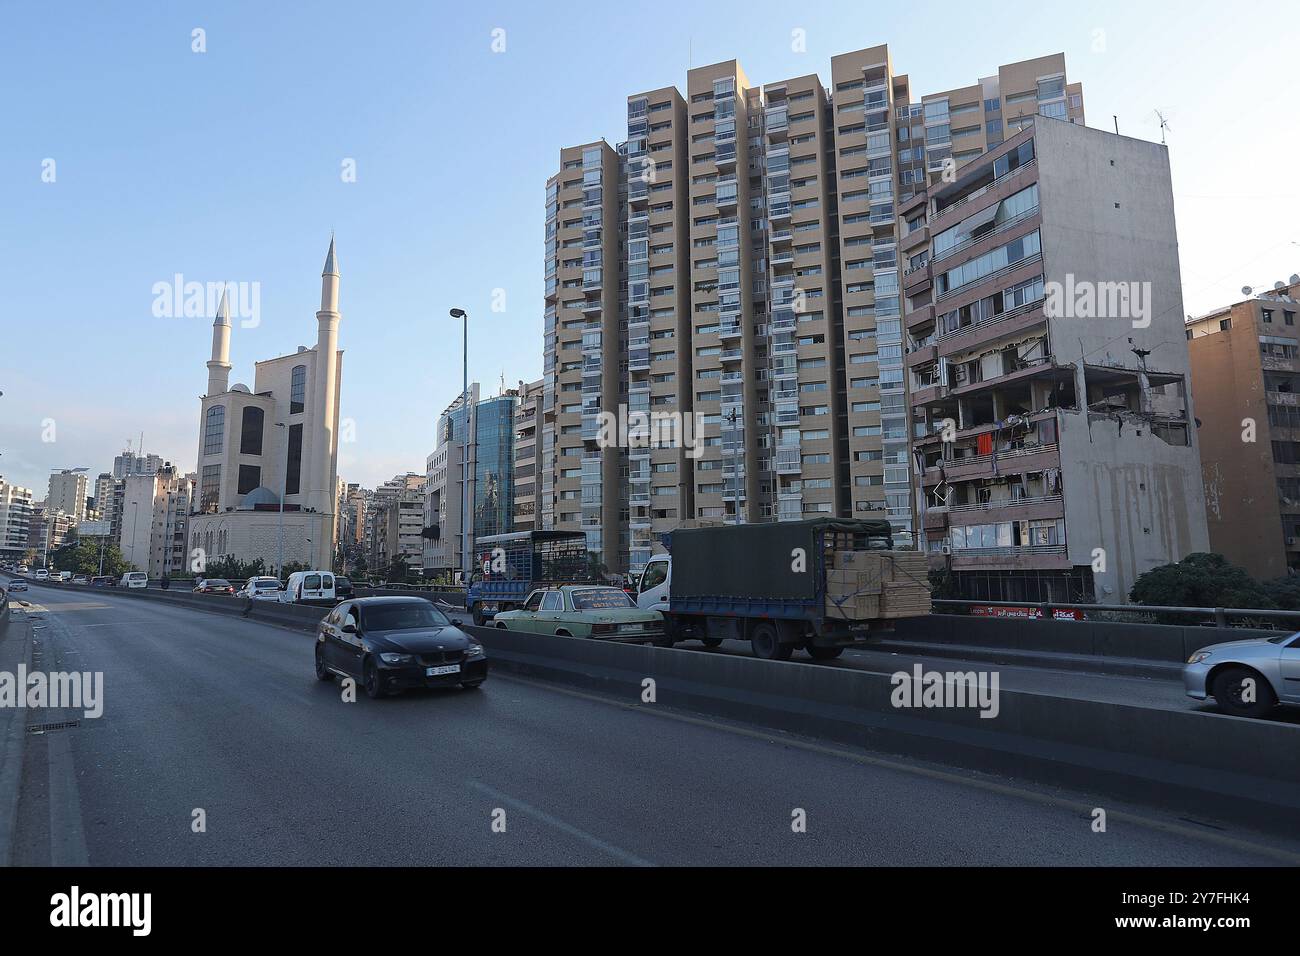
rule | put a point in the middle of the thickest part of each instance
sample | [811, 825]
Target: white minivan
[309, 587]
[134, 579]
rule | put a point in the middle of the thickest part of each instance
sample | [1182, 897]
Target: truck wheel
[711, 641]
[767, 644]
[477, 614]
[824, 653]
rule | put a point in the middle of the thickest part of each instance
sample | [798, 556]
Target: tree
[1285, 592]
[397, 569]
[82, 557]
[233, 569]
[1199, 580]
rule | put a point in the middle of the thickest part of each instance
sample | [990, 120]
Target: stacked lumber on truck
[876, 585]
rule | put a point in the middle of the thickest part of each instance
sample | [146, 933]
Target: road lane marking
[558, 824]
[989, 786]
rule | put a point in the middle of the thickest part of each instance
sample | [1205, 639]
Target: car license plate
[445, 669]
[627, 628]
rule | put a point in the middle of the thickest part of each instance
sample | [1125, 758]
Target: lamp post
[464, 442]
[284, 488]
[735, 466]
[135, 517]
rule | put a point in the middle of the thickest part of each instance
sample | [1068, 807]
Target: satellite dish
[1245, 290]
[1295, 279]
[1279, 286]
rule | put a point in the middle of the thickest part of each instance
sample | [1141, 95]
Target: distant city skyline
[422, 139]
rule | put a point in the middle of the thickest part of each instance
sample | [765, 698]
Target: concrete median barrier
[1200, 762]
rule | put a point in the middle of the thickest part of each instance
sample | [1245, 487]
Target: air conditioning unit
[946, 549]
[1290, 542]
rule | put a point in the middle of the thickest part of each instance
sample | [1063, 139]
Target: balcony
[922, 356]
[1009, 462]
[732, 355]
[788, 460]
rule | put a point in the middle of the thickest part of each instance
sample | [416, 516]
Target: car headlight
[1198, 657]
[474, 650]
[396, 658]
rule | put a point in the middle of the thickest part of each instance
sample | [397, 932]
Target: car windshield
[342, 583]
[1282, 638]
[596, 599]
[404, 616]
[267, 585]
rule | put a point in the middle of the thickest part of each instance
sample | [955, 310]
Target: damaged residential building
[1053, 435]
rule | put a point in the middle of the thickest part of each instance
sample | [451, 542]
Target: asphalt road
[205, 712]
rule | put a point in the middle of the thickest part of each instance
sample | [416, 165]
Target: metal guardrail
[1220, 615]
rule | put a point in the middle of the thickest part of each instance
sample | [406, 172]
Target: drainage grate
[46, 728]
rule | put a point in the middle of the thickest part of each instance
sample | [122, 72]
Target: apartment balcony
[1016, 461]
[1009, 509]
[1014, 322]
[781, 237]
[1012, 182]
[914, 239]
[918, 281]
[732, 355]
[725, 156]
[927, 394]
[1046, 369]
[785, 258]
[788, 461]
[922, 356]
[725, 200]
[730, 330]
[918, 318]
[1050, 557]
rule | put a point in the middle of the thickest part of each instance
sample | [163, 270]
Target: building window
[210, 489]
[250, 431]
[298, 389]
[250, 476]
[293, 474]
[214, 431]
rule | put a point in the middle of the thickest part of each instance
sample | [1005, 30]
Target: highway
[206, 712]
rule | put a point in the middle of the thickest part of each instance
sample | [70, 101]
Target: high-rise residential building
[488, 426]
[583, 347]
[48, 530]
[268, 456]
[15, 520]
[1049, 384]
[155, 522]
[398, 524]
[67, 493]
[761, 300]
[103, 491]
[132, 463]
[1245, 362]
[528, 416]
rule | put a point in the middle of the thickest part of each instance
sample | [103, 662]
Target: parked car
[396, 643]
[24, 569]
[213, 586]
[17, 584]
[41, 574]
[263, 588]
[103, 581]
[585, 610]
[80, 579]
[343, 589]
[1246, 678]
[134, 579]
[309, 587]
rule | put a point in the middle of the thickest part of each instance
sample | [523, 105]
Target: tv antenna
[1164, 125]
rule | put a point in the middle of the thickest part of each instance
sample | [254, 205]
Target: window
[553, 601]
[210, 489]
[250, 476]
[250, 431]
[298, 389]
[293, 476]
[214, 431]
[655, 574]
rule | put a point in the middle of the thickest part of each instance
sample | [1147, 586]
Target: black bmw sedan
[395, 643]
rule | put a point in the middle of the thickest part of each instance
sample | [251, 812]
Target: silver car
[1246, 678]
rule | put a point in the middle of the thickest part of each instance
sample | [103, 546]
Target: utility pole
[735, 466]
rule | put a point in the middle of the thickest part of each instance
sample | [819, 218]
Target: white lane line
[549, 820]
[112, 624]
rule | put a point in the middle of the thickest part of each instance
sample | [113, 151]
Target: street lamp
[464, 442]
[735, 466]
[284, 488]
[135, 517]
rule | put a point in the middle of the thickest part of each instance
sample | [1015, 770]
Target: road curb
[15, 650]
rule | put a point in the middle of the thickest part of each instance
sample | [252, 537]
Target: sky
[232, 164]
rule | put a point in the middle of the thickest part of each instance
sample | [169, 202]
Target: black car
[343, 589]
[396, 643]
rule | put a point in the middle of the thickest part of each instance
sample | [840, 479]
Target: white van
[134, 579]
[309, 587]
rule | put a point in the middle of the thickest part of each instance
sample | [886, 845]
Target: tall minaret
[219, 364]
[320, 488]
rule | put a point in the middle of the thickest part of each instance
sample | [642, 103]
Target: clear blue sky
[226, 166]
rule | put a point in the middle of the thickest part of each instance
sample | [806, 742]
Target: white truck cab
[652, 589]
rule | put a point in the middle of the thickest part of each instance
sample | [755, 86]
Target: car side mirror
[349, 628]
